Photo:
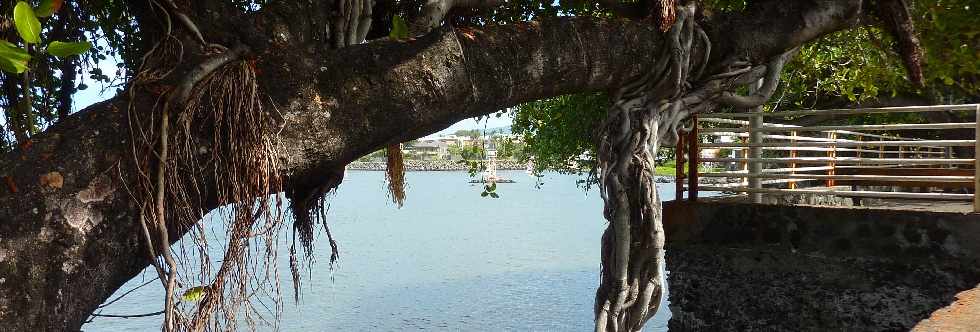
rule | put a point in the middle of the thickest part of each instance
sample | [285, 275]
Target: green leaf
[63, 49]
[27, 24]
[13, 59]
[48, 7]
[484, 194]
[399, 30]
[494, 195]
[193, 294]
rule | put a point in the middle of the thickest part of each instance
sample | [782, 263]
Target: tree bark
[69, 231]
[68, 244]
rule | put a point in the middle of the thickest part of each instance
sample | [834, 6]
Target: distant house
[430, 149]
[438, 148]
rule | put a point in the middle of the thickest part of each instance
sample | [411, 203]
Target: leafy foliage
[28, 27]
[471, 133]
[557, 131]
[860, 65]
[510, 149]
[43, 94]
[853, 66]
[13, 59]
[63, 49]
[466, 152]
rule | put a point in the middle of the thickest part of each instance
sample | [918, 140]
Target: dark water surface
[448, 260]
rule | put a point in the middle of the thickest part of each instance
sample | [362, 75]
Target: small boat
[490, 174]
[493, 180]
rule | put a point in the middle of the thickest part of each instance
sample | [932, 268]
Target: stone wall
[736, 267]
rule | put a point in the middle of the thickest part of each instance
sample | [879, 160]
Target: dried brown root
[238, 159]
[395, 174]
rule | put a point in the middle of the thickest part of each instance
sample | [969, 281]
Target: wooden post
[948, 153]
[692, 164]
[792, 154]
[832, 154]
[881, 151]
[859, 147]
[755, 152]
[744, 165]
[679, 169]
[976, 163]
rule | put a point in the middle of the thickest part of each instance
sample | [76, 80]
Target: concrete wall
[742, 267]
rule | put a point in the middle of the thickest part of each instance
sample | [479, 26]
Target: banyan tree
[254, 107]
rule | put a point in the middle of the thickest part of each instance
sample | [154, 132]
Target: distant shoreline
[432, 165]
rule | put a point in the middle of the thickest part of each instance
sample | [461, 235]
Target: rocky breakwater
[432, 165]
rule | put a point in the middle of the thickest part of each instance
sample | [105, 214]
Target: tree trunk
[70, 233]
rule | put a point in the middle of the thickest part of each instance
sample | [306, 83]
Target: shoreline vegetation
[666, 169]
[432, 165]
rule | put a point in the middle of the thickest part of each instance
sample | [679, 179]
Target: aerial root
[650, 110]
[238, 159]
[395, 174]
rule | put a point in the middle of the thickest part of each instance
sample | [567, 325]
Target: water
[448, 260]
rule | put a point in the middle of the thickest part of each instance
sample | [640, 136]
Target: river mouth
[448, 260]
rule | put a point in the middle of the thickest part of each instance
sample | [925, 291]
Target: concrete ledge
[743, 267]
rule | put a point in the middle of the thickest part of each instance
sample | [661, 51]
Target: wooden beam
[847, 111]
[679, 169]
[848, 193]
[976, 164]
[847, 160]
[909, 126]
[935, 143]
[694, 152]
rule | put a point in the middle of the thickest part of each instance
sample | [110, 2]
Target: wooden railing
[772, 158]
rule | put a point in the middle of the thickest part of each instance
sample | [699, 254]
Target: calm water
[447, 260]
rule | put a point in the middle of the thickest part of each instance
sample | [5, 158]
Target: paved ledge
[963, 315]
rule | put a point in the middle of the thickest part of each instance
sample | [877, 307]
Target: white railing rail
[771, 158]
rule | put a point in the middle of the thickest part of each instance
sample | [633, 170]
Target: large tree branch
[69, 228]
[69, 233]
[368, 96]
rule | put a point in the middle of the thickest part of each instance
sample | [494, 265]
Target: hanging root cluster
[216, 144]
[309, 208]
[395, 174]
[653, 109]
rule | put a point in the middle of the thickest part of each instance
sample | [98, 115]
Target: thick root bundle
[395, 174]
[650, 110]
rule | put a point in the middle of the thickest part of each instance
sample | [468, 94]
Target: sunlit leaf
[28, 27]
[13, 59]
[193, 294]
[63, 49]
